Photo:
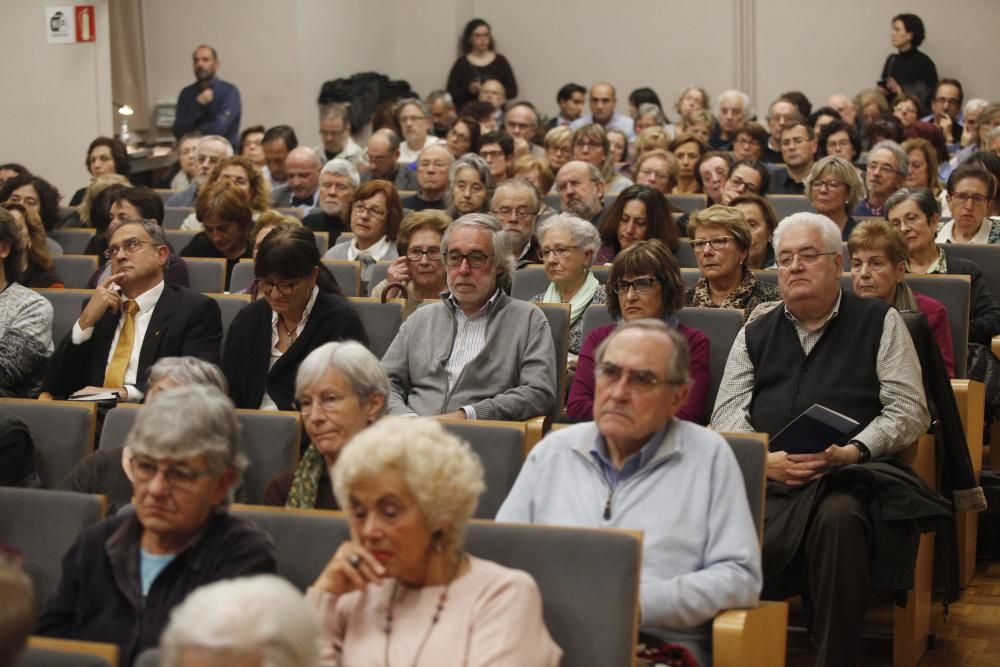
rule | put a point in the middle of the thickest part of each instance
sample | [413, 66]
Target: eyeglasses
[738, 182]
[906, 110]
[377, 159]
[826, 185]
[640, 285]
[636, 380]
[519, 126]
[283, 287]
[476, 260]
[747, 141]
[838, 143]
[327, 403]
[521, 212]
[963, 198]
[655, 173]
[807, 258]
[881, 168]
[793, 141]
[717, 243]
[583, 143]
[491, 154]
[949, 101]
[178, 477]
[130, 246]
[411, 119]
[910, 221]
[414, 254]
[359, 207]
[562, 252]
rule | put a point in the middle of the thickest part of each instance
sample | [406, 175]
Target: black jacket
[984, 311]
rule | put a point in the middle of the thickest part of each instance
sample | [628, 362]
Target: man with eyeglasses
[335, 134]
[433, 164]
[209, 105]
[211, 150]
[478, 353]
[824, 536]
[515, 204]
[132, 320]
[798, 149]
[414, 120]
[946, 111]
[521, 123]
[581, 191]
[382, 158]
[884, 174]
[637, 467]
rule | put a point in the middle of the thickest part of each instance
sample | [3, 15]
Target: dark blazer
[984, 311]
[184, 323]
[248, 349]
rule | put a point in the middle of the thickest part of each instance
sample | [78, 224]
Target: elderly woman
[649, 115]
[651, 139]
[470, 186]
[260, 620]
[645, 281]
[761, 219]
[267, 222]
[656, 168]
[104, 156]
[244, 174]
[923, 165]
[907, 109]
[590, 144]
[227, 217]
[687, 149]
[301, 309]
[374, 218]
[711, 173]
[971, 192]
[878, 268]
[721, 240]
[123, 576]
[700, 124]
[567, 246]
[341, 389]
[418, 273]
[82, 216]
[639, 213]
[558, 146]
[834, 188]
[25, 320]
[536, 171]
[186, 150]
[463, 136]
[37, 268]
[402, 587]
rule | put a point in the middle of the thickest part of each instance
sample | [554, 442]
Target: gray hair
[186, 371]
[220, 139]
[389, 136]
[442, 95]
[647, 108]
[477, 164]
[519, 184]
[923, 197]
[341, 167]
[335, 110]
[440, 470]
[991, 135]
[352, 360]
[974, 105]
[503, 256]
[233, 617]
[828, 230]
[183, 422]
[901, 158]
[744, 98]
[678, 369]
[844, 171]
[415, 102]
[151, 227]
[584, 233]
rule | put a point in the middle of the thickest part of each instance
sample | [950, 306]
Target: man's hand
[944, 123]
[457, 414]
[105, 298]
[802, 469]
[205, 97]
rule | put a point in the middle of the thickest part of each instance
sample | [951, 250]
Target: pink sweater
[493, 616]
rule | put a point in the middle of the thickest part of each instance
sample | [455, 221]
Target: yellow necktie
[115, 376]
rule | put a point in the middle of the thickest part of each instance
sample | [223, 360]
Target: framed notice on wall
[69, 24]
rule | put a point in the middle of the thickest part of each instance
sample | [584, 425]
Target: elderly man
[628, 469]
[780, 113]
[843, 105]
[516, 204]
[443, 113]
[302, 166]
[414, 119]
[132, 320]
[521, 123]
[497, 149]
[798, 150]
[432, 179]
[209, 105]
[335, 133]
[581, 191]
[570, 100]
[827, 533]
[383, 161]
[490, 356]
[211, 150]
[603, 99]
[734, 111]
[123, 576]
[884, 174]
[337, 183]
[278, 141]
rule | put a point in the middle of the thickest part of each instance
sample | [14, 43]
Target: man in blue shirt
[210, 105]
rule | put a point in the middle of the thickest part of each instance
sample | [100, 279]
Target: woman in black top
[479, 61]
[910, 70]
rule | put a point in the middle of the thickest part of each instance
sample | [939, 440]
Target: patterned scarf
[579, 302]
[305, 484]
[738, 298]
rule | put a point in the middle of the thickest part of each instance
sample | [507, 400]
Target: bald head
[602, 102]
[383, 152]
[432, 171]
[843, 105]
[303, 166]
[581, 189]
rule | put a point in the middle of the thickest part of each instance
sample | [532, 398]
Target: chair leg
[911, 625]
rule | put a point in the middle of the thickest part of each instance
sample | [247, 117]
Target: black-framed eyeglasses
[178, 476]
[283, 287]
[415, 254]
[130, 246]
[640, 285]
[637, 380]
[717, 243]
[476, 260]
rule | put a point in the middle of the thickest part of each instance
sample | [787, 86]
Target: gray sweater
[513, 378]
[25, 340]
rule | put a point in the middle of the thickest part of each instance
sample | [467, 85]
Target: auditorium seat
[685, 254]
[786, 205]
[67, 304]
[381, 320]
[242, 276]
[63, 432]
[348, 275]
[208, 274]
[73, 240]
[229, 304]
[558, 315]
[75, 270]
[687, 203]
[52, 652]
[500, 447]
[173, 216]
[179, 239]
[379, 271]
[528, 281]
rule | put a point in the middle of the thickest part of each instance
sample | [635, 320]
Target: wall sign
[70, 25]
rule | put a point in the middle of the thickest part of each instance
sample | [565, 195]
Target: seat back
[721, 326]
[379, 271]
[67, 304]
[229, 304]
[751, 453]
[179, 238]
[75, 270]
[500, 447]
[986, 257]
[242, 276]
[208, 274]
[62, 432]
[690, 277]
[687, 203]
[73, 240]
[685, 255]
[528, 281]
[597, 316]
[322, 242]
[148, 658]
[558, 316]
[118, 422]
[42, 524]
[52, 652]
[381, 320]
[348, 275]
[786, 205]
[173, 216]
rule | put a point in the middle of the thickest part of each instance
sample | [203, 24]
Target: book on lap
[813, 431]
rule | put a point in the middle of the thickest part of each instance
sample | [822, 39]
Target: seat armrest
[755, 636]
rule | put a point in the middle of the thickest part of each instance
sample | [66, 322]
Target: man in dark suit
[132, 320]
[301, 191]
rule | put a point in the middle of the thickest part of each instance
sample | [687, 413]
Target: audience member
[647, 116]
[923, 165]
[335, 131]
[558, 147]
[497, 148]
[834, 188]
[536, 171]
[374, 218]
[35, 263]
[656, 168]
[516, 204]
[909, 70]
[262, 227]
[209, 105]
[227, 217]
[700, 124]
[338, 181]
[251, 146]
[971, 191]
[241, 172]
[18, 613]
[749, 142]
[104, 156]
[762, 220]
[470, 186]
[494, 93]
[946, 108]
[463, 136]
[302, 167]
[734, 111]
[691, 100]
[187, 160]
[843, 105]
[81, 216]
[884, 174]
[414, 120]
[432, 179]
[212, 149]
[443, 112]
[618, 150]
[521, 123]
[382, 158]
[839, 139]
[711, 173]
[780, 113]
[798, 147]
[801, 102]
[590, 144]
[11, 169]
[602, 100]
[484, 113]
[821, 118]
[639, 213]
[906, 108]
[746, 177]
[278, 142]
[688, 150]
[479, 61]
[581, 191]
[418, 274]
[570, 99]
[38, 195]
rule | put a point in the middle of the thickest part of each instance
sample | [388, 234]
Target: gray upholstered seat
[179, 239]
[62, 432]
[207, 274]
[786, 205]
[379, 271]
[242, 276]
[67, 304]
[986, 257]
[529, 281]
[75, 270]
[500, 447]
[687, 203]
[173, 216]
[348, 275]
[381, 321]
[721, 326]
[44, 657]
[685, 255]
[229, 304]
[73, 240]
[558, 316]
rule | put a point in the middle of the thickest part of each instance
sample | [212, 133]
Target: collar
[829, 316]
[982, 235]
[147, 300]
[487, 307]
[635, 461]
[305, 313]
[375, 251]
[664, 444]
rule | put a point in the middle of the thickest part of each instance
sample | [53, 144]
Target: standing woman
[104, 156]
[479, 61]
[909, 70]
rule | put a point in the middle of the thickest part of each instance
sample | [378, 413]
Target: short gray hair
[898, 153]
[335, 110]
[262, 613]
[187, 370]
[341, 167]
[974, 105]
[522, 185]
[220, 139]
[503, 256]
[647, 108]
[352, 360]
[151, 227]
[440, 470]
[828, 230]
[442, 95]
[735, 93]
[415, 102]
[475, 162]
[584, 233]
[678, 371]
[183, 422]
[844, 171]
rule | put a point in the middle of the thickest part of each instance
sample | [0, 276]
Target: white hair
[341, 167]
[902, 159]
[974, 105]
[262, 614]
[220, 139]
[827, 228]
[735, 93]
[584, 233]
[352, 360]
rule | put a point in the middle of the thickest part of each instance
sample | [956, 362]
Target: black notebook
[813, 431]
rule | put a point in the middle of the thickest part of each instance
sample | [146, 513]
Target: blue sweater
[221, 116]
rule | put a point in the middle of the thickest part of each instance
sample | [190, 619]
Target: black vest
[839, 373]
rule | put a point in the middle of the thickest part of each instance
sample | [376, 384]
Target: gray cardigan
[513, 378]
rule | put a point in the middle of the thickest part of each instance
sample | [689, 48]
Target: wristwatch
[864, 454]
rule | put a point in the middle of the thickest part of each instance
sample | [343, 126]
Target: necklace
[434, 618]
[289, 334]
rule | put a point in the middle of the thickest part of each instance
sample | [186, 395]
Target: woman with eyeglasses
[590, 144]
[639, 213]
[374, 217]
[644, 281]
[301, 309]
[721, 239]
[834, 188]
[971, 192]
[418, 273]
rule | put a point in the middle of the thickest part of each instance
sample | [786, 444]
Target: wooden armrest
[537, 428]
[970, 395]
[920, 457]
[995, 345]
[107, 652]
[755, 636]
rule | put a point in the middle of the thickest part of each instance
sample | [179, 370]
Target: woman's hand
[398, 271]
[893, 86]
[341, 576]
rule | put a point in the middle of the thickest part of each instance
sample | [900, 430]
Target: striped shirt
[470, 338]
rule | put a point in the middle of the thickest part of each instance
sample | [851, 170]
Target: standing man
[209, 105]
[383, 161]
[884, 174]
[335, 131]
[302, 190]
[603, 100]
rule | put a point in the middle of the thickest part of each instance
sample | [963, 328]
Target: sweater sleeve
[696, 408]
[26, 344]
[396, 363]
[580, 404]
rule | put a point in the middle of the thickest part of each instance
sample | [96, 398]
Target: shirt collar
[376, 250]
[633, 463]
[147, 300]
[305, 313]
[488, 306]
[832, 314]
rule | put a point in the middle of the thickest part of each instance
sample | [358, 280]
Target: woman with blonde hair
[558, 146]
[244, 174]
[418, 273]
[656, 168]
[923, 165]
[37, 268]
